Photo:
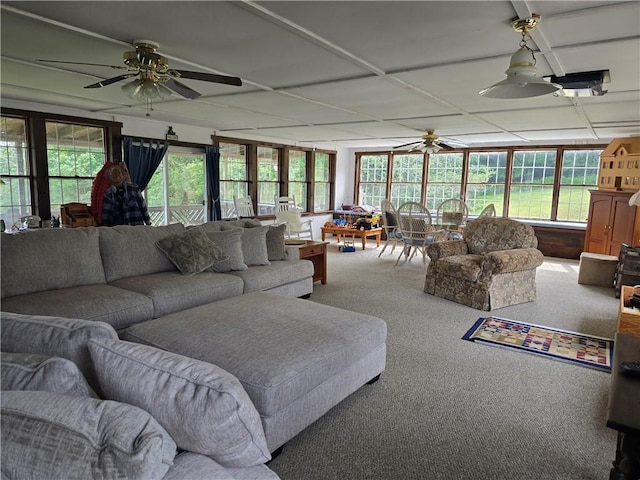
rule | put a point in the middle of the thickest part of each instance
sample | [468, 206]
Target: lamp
[522, 80]
[147, 88]
[433, 148]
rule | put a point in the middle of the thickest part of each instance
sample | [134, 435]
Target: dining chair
[452, 216]
[416, 229]
[389, 222]
[243, 207]
[488, 211]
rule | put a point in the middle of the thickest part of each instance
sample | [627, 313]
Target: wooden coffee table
[354, 232]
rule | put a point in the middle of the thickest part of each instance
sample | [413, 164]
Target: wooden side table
[316, 252]
[624, 409]
[628, 318]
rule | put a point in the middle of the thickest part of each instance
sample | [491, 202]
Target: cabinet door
[621, 225]
[597, 238]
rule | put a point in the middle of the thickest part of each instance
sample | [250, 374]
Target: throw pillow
[275, 242]
[204, 408]
[54, 336]
[241, 223]
[254, 245]
[191, 251]
[28, 371]
[48, 435]
[229, 241]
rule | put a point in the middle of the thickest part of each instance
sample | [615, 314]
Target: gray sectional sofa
[167, 352]
[119, 276]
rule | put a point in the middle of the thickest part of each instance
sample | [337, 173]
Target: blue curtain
[213, 180]
[142, 160]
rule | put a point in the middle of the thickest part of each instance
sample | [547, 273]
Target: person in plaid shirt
[124, 205]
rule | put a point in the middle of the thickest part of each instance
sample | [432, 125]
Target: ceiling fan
[432, 143]
[154, 77]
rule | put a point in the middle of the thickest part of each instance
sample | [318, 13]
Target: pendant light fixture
[522, 80]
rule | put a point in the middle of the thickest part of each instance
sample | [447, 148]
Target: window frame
[507, 184]
[37, 150]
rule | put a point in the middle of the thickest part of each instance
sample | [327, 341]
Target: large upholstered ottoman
[296, 359]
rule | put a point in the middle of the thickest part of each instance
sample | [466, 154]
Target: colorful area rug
[585, 350]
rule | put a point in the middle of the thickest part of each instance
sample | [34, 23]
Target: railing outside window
[298, 177]
[15, 171]
[233, 176]
[268, 177]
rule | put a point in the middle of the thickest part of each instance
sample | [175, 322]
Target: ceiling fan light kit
[522, 79]
[156, 81]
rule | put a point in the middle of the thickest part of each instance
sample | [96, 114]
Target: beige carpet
[446, 408]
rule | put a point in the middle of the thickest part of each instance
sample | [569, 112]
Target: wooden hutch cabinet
[611, 223]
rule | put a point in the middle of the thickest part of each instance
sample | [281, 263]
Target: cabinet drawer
[314, 250]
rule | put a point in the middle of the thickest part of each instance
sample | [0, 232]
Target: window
[298, 178]
[444, 179]
[579, 173]
[486, 180]
[373, 179]
[75, 154]
[322, 184]
[176, 192]
[532, 176]
[233, 176]
[406, 178]
[15, 173]
[267, 180]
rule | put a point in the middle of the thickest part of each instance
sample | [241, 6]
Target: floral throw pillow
[191, 251]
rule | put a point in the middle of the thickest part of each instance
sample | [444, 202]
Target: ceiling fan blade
[444, 146]
[82, 63]
[453, 143]
[209, 77]
[109, 81]
[180, 88]
[407, 144]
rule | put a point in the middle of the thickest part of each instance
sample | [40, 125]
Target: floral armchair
[492, 267]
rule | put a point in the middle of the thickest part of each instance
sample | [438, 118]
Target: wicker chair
[492, 267]
[452, 216]
[416, 230]
[389, 219]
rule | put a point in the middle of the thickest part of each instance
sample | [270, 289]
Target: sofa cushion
[48, 435]
[54, 336]
[189, 465]
[466, 267]
[275, 242]
[172, 292]
[191, 251]
[204, 408]
[139, 242]
[40, 260]
[28, 371]
[280, 348]
[489, 234]
[230, 242]
[260, 278]
[104, 303]
[254, 245]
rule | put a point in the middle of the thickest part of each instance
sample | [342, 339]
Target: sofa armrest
[448, 248]
[516, 260]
